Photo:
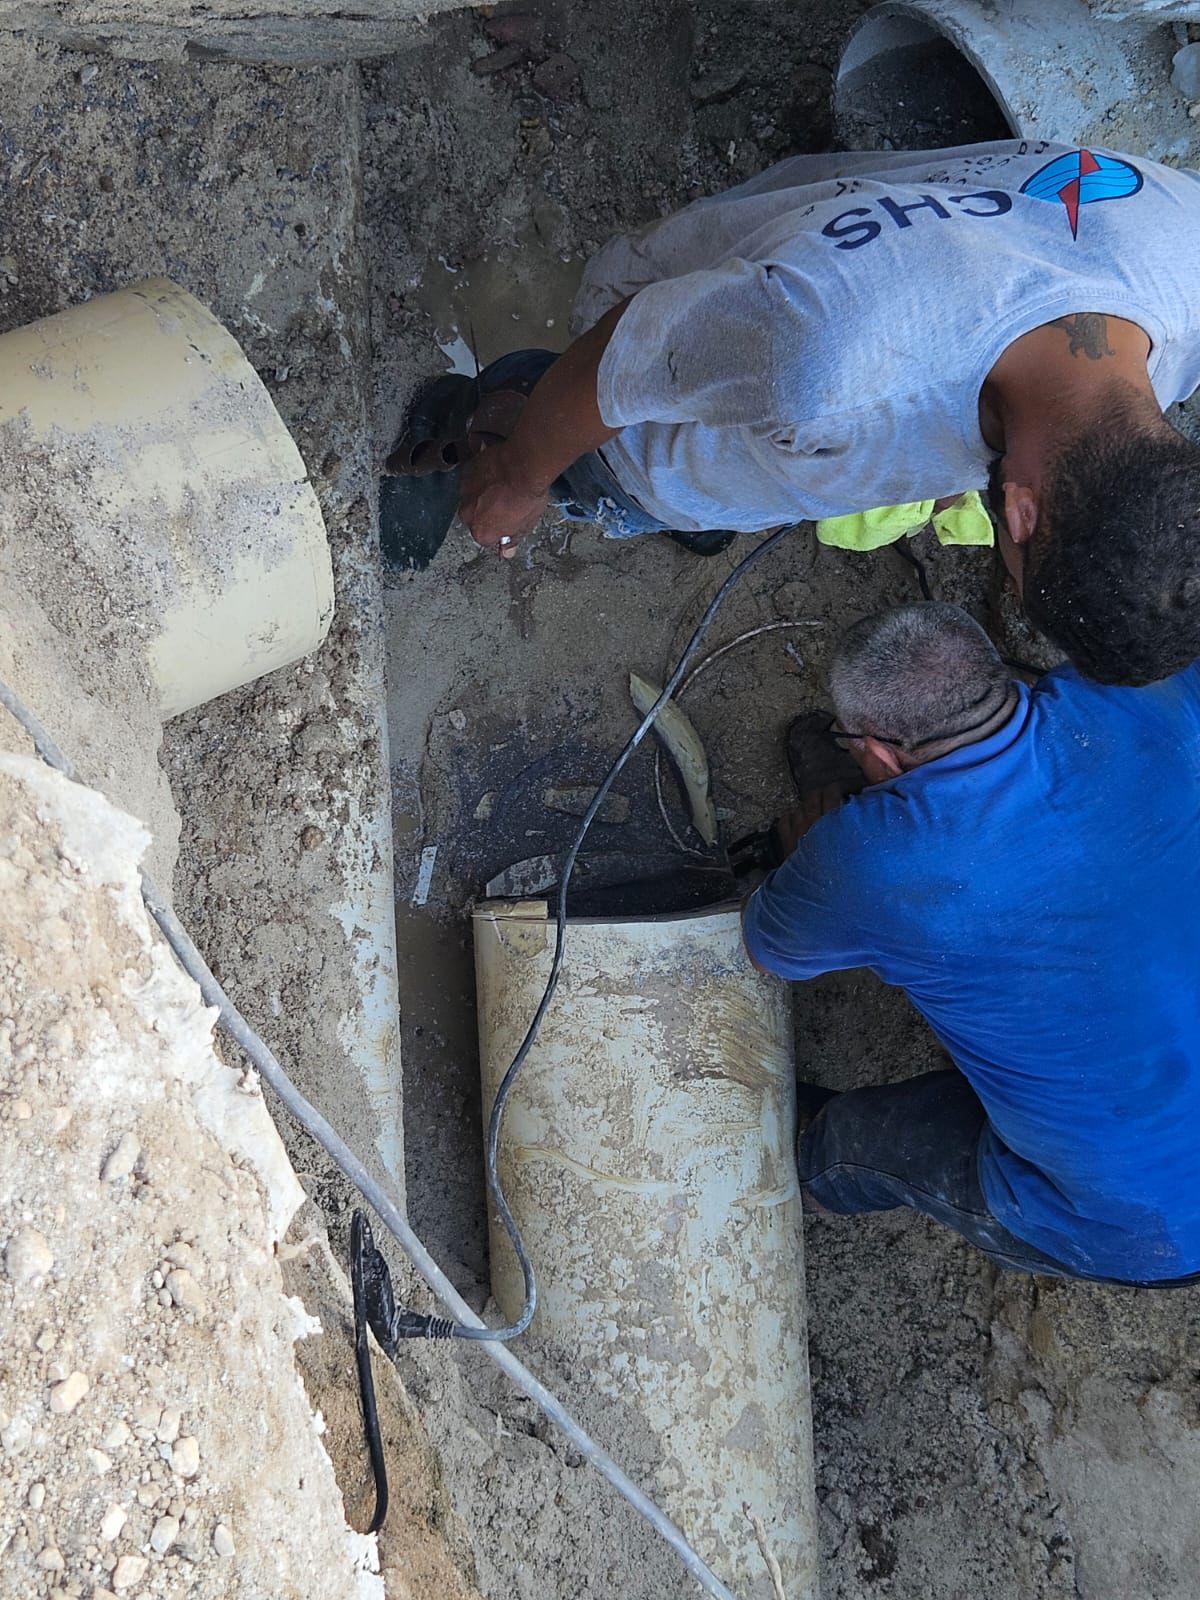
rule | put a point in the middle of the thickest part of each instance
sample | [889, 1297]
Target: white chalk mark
[459, 354]
[425, 875]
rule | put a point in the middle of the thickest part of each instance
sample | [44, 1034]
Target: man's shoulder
[1067, 686]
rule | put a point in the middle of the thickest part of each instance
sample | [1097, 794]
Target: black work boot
[811, 1100]
[704, 541]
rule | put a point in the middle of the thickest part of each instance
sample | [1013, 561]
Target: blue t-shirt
[1037, 896]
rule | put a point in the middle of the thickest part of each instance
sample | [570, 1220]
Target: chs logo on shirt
[1078, 178]
[1081, 178]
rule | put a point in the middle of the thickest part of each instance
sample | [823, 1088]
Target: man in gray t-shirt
[846, 332]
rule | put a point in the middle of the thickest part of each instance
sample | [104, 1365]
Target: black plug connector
[413, 1325]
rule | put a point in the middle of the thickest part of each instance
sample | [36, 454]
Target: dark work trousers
[916, 1144]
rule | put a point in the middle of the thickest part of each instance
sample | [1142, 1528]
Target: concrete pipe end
[907, 81]
[925, 74]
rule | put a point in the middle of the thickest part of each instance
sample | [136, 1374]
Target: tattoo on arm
[1088, 333]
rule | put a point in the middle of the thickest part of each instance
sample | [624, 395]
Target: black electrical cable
[414, 1325]
[362, 1248]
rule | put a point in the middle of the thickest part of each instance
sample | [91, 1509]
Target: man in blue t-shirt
[1025, 865]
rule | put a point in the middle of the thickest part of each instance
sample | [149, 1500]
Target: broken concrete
[129, 1448]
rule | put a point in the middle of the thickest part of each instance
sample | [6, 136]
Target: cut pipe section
[150, 452]
[648, 1157]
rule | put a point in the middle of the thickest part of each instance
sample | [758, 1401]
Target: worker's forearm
[561, 420]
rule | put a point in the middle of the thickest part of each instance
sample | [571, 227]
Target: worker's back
[814, 342]
[1038, 897]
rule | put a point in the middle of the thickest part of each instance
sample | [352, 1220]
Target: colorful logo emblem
[1080, 178]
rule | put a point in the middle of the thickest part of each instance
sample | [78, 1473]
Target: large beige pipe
[135, 433]
[647, 1156]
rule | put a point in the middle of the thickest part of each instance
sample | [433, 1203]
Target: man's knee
[891, 1145]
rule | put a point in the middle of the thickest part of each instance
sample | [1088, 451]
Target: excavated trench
[359, 228]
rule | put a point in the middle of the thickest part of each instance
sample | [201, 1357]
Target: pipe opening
[903, 85]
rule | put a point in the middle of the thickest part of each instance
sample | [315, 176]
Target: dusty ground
[974, 1435]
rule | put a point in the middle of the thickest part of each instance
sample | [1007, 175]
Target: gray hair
[917, 675]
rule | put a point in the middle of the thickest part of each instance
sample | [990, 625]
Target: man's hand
[791, 827]
[506, 489]
[497, 505]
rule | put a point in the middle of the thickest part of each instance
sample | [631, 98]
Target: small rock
[499, 61]
[60, 1037]
[46, 1340]
[314, 738]
[98, 1461]
[1185, 71]
[117, 1436]
[457, 720]
[311, 837]
[185, 1457]
[16, 1435]
[168, 1426]
[718, 84]
[28, 1256]
[103, 1594]
[111, 1523]
[37, 1496]
[516, 28]
[51, 1559]
[185, 1291]
[574, 801]
[223, 1540]
[65, 1396]
[485, 807]
[557, 76]
[107, 183]
[122, 1159]
[128, 1571]
[88, 74]
[1194, 111]
[149, 1494]
[21, 1109]
[163, 1535]
[145, 1414]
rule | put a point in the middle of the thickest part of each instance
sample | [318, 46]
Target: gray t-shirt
[813, 342]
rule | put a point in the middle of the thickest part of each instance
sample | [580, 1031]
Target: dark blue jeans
[587, 490]
[916, 1144]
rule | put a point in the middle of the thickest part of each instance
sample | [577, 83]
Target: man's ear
[1020, 512]
[878, 760]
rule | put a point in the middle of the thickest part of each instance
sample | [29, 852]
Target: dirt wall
[298, 32]
[154, 1431]
[59, 653]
